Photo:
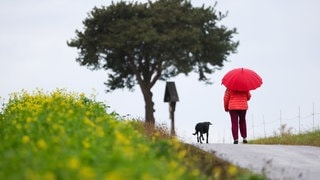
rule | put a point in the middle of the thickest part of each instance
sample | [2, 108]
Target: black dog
[202, 128]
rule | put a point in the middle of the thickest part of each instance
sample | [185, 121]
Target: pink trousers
[238, 121]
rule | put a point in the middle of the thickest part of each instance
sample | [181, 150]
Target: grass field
[311, 138]
[65, 135]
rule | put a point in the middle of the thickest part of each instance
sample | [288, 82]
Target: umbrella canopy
[242, 79]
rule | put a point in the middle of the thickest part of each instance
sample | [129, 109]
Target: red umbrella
[242, 79]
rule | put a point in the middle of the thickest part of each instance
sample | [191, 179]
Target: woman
[236, 103]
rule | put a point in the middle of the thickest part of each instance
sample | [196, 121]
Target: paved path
[275, 161]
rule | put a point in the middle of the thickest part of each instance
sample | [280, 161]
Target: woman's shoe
[235, 142]
[245, 141]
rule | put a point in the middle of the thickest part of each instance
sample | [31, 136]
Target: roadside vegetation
[63, 135]
[286, 137]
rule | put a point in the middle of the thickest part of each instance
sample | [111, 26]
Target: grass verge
[307, 138]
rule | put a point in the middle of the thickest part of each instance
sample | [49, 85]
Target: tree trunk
[146, 82]
[149, 105]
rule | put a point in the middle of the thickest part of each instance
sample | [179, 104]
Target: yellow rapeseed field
[63, 135]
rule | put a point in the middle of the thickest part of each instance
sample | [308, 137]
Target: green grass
[311, 138]
[63, 135]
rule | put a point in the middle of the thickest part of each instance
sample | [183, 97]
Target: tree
[141, 43]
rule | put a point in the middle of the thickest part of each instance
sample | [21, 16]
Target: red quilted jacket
[236, 100]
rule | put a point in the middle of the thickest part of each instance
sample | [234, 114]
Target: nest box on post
[171, 96]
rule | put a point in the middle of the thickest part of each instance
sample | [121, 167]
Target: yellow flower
[88, 122]
[122, 139]
[182, 154]
[88, 113]
[143, 148]
[49, 176]
[70, 113]
[217, 171]
[115, 175]
[18, 126]
[86, 143]
[147, 176]
[195, 172]
[25, 139]
[173, 164]
[29, 120]
[49, 119]
[87, 173]
[232, 170]
[41, 144]
[128, 151]
[73, 163]
[55, 126]
[99, 131]
[176, 143]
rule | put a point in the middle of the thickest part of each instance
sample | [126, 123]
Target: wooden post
[171, 96]
[172, 107]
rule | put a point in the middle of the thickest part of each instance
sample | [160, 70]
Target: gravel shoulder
[274, 161]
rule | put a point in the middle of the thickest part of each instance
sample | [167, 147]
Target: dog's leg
[197, 136]
[207, 137]
[201, 137]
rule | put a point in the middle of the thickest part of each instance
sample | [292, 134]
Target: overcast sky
[280, 40]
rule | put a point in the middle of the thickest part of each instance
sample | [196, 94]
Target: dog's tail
[194, 133]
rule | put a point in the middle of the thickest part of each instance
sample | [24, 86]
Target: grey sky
[280, 40]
